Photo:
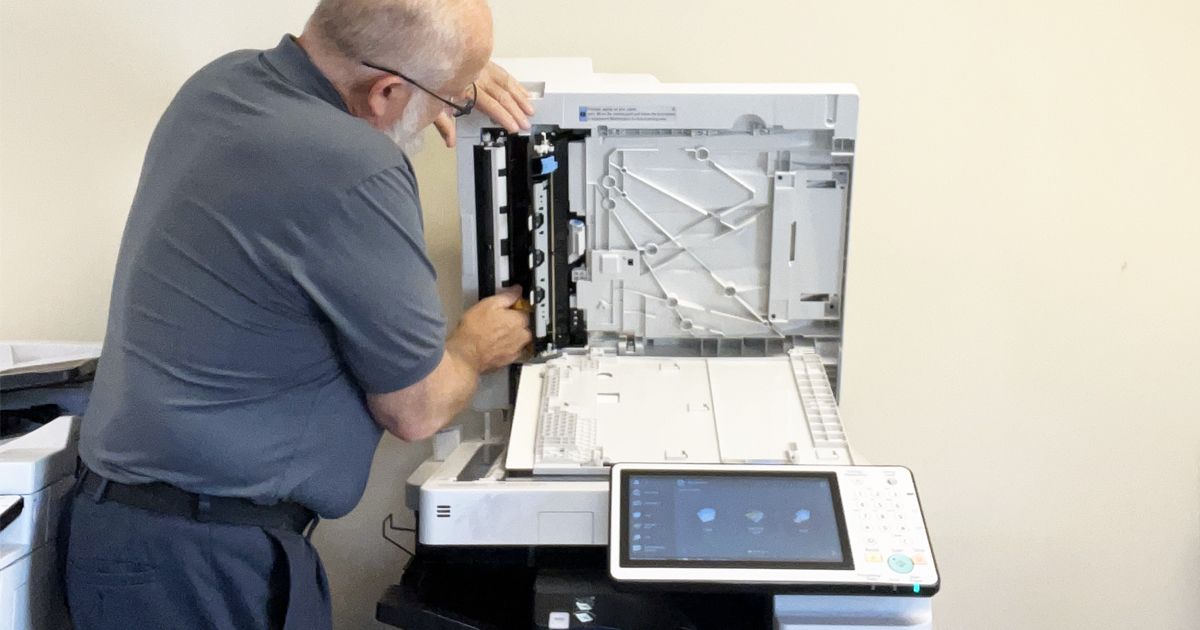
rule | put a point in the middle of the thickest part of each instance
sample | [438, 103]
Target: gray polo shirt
[272, 271]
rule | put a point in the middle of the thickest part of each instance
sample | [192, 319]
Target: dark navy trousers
[128, 569]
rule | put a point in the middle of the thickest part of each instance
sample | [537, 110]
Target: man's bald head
[429, 40]
[440, 44]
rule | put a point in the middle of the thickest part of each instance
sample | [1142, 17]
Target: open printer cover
[682, 247]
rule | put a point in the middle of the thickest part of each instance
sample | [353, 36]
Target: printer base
[499, 589]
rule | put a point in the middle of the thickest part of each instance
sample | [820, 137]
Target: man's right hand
[492, 334]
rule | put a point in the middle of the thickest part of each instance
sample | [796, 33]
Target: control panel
[852, 529]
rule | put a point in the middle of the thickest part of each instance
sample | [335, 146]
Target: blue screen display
[779, 519]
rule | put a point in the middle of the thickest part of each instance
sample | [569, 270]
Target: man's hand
[492, 334]
[498, 95]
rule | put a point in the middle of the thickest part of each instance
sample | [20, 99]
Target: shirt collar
[290, 60]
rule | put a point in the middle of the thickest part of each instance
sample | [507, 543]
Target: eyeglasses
[459, 110]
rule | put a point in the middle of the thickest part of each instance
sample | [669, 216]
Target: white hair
[407, 133]
[420, 38]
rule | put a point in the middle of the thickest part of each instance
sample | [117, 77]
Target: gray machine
[683, 248]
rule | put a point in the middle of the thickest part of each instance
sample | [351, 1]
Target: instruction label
[626, 113]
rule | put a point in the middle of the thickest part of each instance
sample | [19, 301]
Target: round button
[900, 563]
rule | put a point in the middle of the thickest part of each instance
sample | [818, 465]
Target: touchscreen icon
[802, 516]
[755, 516]
[706, 515]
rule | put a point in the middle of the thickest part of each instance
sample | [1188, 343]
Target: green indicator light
[916, 588]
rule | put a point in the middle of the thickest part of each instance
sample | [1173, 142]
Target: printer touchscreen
[717, 520]
[802, 528]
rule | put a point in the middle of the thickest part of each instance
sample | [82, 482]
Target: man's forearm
[491, 335]
[419, 411]
[459, 386]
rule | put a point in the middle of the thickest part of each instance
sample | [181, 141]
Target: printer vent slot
[817, 399]
[792, 247]
[443, 511]
[565, 437]
[843, 145]
[712, 347]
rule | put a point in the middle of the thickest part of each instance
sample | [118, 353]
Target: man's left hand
[498, 95]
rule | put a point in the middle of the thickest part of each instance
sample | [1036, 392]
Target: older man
[274, 310]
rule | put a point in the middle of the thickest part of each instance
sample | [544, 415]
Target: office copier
[44, 387]
[671, 456]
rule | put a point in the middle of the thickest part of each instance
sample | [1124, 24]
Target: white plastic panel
[623, 409]
[578, 414]
[713, 234]
[37, 459]
[857, 612]
[21, 357]
[758, 393]
[499, 511]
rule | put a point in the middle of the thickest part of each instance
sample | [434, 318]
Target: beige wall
[1023, 293]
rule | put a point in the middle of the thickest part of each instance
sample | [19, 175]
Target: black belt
[167, 499]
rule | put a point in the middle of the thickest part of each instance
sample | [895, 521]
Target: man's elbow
[413, 429]
[412, 414]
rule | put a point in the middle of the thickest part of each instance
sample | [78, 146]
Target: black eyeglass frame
[459, 110]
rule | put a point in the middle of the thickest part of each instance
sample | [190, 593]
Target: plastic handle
[11, 513]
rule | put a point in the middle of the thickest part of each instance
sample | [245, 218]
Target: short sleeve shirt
[272, 273]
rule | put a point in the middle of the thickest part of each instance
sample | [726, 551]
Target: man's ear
[387, 93]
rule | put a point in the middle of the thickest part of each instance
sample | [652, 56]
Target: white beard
[408, 132]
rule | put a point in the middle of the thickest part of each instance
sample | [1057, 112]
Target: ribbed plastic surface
[816, 396]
